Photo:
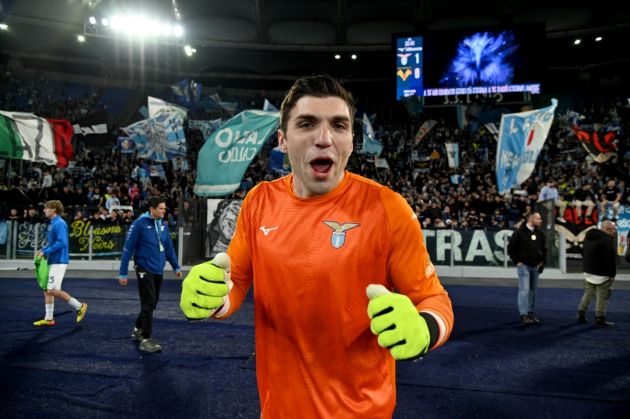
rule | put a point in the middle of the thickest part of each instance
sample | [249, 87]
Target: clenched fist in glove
[396, 321]
[205, 288]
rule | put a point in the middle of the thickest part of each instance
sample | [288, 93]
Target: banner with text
[521, 137]
[228, 152]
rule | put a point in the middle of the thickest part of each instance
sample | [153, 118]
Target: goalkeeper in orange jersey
[343, 283]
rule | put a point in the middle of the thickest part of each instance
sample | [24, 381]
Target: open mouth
[321, 165]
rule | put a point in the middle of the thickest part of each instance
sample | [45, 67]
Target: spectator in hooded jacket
[600, 267]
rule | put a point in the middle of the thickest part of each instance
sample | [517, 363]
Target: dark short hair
[154, 201]
[318, 86]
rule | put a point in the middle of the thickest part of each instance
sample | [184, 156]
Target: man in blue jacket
[56, 253]
[149, 240]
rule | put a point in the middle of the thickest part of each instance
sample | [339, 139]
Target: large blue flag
[159, 139]
[225, 156]
[521, 137]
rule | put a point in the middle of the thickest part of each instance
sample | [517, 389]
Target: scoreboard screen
[469, 61]
[409, 67]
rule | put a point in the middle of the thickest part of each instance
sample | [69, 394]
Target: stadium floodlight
[116, 23]
[598, 39]
[80, 38]
[577, 41]
[4, 27]
[105, 21]
[139, 26]
[337, 57]
[189, 51]
[353, 56]
[92, 20]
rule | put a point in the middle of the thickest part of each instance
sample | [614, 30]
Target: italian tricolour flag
[25, 136]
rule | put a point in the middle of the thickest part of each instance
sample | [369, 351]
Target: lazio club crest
[338, 237]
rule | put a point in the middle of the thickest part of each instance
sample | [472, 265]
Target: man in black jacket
[528, 251]
[600, 267]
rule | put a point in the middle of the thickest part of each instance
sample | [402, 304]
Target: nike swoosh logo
[267, 230]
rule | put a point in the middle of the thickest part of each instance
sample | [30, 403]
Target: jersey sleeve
[240, 261]
[411, 271]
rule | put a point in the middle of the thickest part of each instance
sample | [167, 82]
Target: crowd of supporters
[106, 186]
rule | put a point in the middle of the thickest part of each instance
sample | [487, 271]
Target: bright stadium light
[116, 23]
[80, 38]
[353, 56]
[337, 57]
[92, 20]
[189, 51]
[134, 25]
[598, 39]
[577, 41]
[105, 21]
[4, 27]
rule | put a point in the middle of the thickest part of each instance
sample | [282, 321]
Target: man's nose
[324, 138]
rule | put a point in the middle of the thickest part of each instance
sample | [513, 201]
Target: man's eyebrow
[311, 117]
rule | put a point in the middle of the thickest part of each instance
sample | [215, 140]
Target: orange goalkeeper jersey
[310, 261]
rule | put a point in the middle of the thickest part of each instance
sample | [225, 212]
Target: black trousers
[149, 287]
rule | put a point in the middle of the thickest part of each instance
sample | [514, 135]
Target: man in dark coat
[528, 251]
[600, 267]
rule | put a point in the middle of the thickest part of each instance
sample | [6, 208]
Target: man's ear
[282, 141]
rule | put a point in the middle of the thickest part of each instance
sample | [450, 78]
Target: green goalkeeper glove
[205, 288]
[396, 321]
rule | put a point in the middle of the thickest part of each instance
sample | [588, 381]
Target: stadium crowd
[107, 186]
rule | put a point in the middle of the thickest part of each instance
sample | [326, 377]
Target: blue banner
[521, 137]
[225, 156]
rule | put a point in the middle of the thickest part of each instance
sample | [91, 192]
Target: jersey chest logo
[338, 237]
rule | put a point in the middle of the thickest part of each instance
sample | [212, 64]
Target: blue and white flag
[381, 163]
[159, 139]
[456, 179]
[159, 107]
[370, 144]
[156, 170]
[452, 154]
[207, 127]
[225, 156]
[268, 106]
[521, 137]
